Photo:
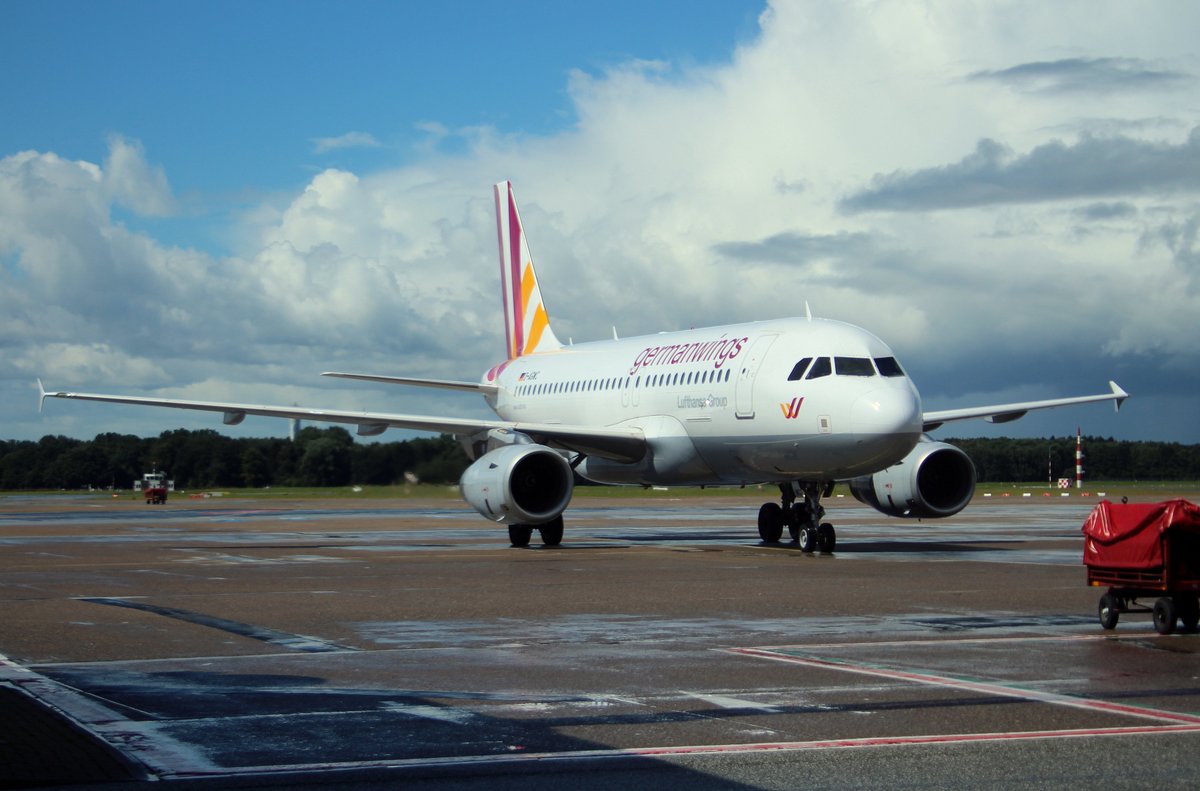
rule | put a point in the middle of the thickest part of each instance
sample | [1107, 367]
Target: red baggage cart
[1142, 551]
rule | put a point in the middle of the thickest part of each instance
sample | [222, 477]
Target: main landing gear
[800, 510]
[552, 533]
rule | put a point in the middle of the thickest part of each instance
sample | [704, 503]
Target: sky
[221, 200]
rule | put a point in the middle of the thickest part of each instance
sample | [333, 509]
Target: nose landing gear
[802, 517]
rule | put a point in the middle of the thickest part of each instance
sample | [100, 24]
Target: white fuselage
[727, 405]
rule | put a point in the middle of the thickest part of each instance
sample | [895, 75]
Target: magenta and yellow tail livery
[527, 326]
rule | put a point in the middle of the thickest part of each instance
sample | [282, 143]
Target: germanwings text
[717, 352]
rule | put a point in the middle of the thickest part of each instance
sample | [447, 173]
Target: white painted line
[981, 687]
[441, 713]
[727, 702]
[944, 641]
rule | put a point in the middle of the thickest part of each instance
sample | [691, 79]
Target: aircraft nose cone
[887, 411]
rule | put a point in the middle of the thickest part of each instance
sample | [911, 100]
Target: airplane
[800, 403]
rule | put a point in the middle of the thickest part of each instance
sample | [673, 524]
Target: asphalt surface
[221, 643]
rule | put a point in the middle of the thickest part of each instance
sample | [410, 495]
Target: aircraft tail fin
[526, 323]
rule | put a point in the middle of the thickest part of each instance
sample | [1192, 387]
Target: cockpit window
[888, 366]
[853, 366]
[820, 367]
[798, 372]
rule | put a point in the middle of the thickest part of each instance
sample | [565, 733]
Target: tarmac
[222, 643]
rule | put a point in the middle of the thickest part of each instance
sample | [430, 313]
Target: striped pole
[1078, 459]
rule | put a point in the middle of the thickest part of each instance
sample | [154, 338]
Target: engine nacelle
[519, 484]
[933, 480]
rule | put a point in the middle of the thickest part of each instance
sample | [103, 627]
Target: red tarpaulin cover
[1129, 536]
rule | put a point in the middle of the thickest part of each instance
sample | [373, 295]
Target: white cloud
[133, 183]
[323, 145]
[663, 208]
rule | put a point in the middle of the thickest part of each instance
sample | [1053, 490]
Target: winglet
[526, 322]
[41, 396]
[1120, 394]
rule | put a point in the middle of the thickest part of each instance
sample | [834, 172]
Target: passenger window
[853, 366]
[888, 366]
[820, 367]
[798, 372]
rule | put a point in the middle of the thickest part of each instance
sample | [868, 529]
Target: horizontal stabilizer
[444, 384]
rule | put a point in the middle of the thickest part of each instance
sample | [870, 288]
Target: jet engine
[933, 480]
[519, 484]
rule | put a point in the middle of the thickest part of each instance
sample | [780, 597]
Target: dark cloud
[1093, 75]
[992, 175]
[1106, 211]
[1182, 238]
[798, 248]
[796, 186]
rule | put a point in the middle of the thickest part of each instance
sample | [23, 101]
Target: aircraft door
[744, 392]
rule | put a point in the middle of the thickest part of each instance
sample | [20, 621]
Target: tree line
[208, 459]
[1023, 460]
[331, 457]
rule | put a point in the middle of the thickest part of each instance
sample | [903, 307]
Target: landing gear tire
[1109, 611]
[770, 523]
[519, 535]
[826, 538]
[800, 511]
[1165, 616]
[799, 514]
[552, 532]
[808, 539]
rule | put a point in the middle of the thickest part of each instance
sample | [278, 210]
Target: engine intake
[934, 480]
[519, 484]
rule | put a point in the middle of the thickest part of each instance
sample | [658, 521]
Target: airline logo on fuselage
[717, 352]
[703, 402]
[792, 410]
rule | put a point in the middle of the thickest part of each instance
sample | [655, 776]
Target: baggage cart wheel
[1164, 615]
[1110, 611]
[1189, 612]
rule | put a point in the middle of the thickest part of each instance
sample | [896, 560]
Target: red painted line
[972, 686]
[885, 741]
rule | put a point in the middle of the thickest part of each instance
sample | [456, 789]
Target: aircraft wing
[445, 384]
[620, 444]
[1003, 413]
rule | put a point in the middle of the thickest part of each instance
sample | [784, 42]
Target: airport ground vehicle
[154, 487]
[1144, 550]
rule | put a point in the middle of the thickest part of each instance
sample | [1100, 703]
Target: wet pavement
[298, 644]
